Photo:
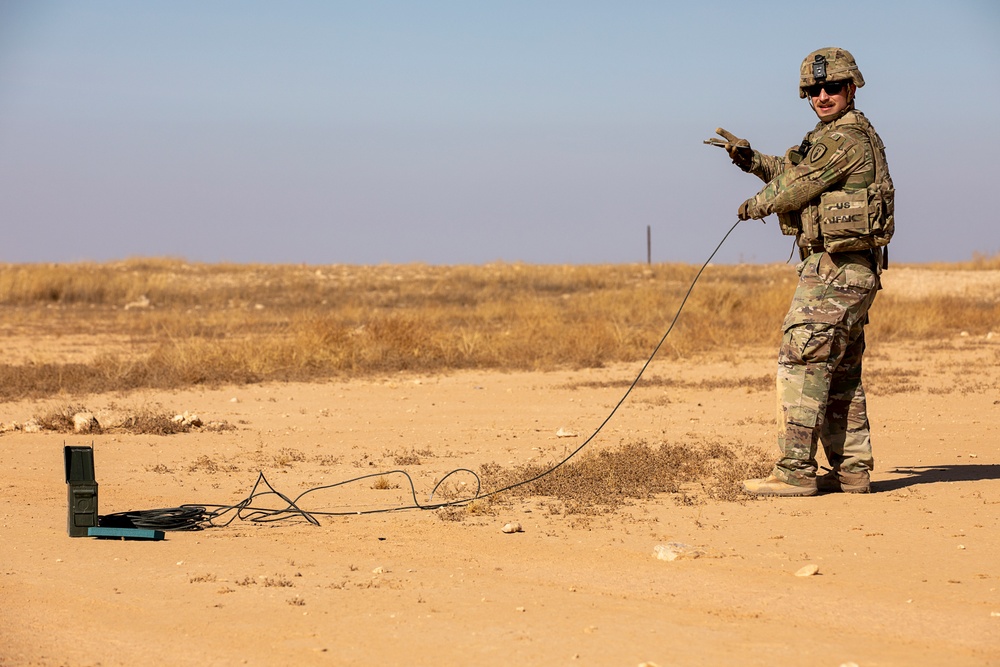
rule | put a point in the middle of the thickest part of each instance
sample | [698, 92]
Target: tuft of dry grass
[192, 324]
[410, 458]
[59, 420]
[382, 483]
[605, 480]
[152, 422]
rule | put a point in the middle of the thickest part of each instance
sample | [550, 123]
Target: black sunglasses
[831, 88]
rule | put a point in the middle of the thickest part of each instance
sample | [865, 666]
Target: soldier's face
[827, 105]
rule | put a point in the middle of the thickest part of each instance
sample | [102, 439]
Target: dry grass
[979, 262]
[604, 480]
[146, 420]
[216, 324]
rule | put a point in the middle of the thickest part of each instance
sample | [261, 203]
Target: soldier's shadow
[934, 474]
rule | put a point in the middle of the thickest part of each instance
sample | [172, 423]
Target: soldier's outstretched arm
[765, 167]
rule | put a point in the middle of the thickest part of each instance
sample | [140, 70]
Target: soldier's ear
[851, 90]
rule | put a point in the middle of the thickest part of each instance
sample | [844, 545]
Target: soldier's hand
[739, 149]
[748, 210]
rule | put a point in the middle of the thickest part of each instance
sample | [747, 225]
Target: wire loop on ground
[196, 517]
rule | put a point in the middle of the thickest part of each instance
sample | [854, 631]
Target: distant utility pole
[649, 246]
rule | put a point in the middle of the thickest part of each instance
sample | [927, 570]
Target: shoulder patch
[817, 152]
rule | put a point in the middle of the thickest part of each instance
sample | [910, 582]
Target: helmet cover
[829, 64]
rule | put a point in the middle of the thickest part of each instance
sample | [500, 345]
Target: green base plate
[125, 533]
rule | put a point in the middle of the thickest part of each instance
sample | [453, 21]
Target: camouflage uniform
[820, 394]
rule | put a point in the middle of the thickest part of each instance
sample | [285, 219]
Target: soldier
[834, 194]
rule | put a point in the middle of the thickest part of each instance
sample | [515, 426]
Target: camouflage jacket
[837, 155]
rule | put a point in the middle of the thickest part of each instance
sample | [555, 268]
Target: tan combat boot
[848, 482]
[772, 486]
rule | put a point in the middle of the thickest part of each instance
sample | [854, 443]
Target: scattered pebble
[378, 570]
[676, 550]
[519, 609]
[807, 570]
[564, 433]
[961, 546]
[513, 527]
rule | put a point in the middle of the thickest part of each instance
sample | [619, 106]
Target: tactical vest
[856, 216]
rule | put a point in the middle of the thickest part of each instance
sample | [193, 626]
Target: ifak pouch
[844, 221]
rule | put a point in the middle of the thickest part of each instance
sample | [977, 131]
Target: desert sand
[907, 575]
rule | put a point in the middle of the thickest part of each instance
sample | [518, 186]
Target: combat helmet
[829, 64]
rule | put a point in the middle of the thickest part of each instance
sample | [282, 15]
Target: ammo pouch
[881, 209]
[845, 221]
[790, 223]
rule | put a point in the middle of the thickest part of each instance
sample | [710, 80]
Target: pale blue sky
[467, 132]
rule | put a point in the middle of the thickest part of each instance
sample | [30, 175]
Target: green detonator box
[82, 490]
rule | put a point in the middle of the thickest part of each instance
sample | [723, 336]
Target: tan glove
[748, 210]
[739, 149]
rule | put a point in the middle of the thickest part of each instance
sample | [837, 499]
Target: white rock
[672, 551]
[513, 527]
[563, 433]
[141, 302]
[85, 422]
[187, 419]
[807, 570]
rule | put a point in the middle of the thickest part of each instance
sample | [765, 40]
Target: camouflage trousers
[820, 395]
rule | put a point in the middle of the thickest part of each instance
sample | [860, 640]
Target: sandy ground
[908, 575]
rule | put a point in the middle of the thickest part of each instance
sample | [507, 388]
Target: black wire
[634, 382]
[195, 517]
[187, 517]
